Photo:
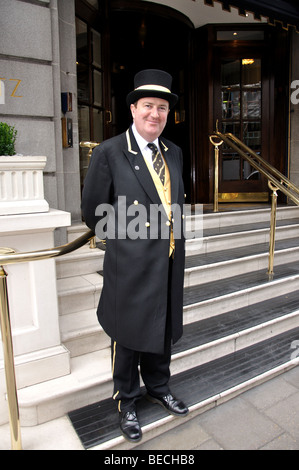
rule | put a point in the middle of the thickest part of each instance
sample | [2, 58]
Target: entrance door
[115, 40]
[93, 77]
[239, 108]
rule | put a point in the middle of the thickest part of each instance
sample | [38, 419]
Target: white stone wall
[37, 63]
[70, 179]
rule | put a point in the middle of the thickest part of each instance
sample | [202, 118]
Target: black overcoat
[120, 202]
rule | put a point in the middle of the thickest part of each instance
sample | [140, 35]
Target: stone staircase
[240, 328]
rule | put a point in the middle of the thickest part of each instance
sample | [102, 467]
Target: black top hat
[152, 83]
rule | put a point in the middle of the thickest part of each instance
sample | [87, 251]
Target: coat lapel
[139, 167]
[173, 171]
[141, 171]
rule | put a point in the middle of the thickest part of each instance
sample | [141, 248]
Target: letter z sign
[15, 83]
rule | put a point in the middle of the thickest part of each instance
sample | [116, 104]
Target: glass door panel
[97, 88]
[252, 104]
[231, 167]
[230, 74]
[251, 73]
[94, 3]
[241, 115]
[96, 41]
[90, 80]
[252, 135]
[230, 104]
[98, 125]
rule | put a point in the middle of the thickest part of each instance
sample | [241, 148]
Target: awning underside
[285, 12]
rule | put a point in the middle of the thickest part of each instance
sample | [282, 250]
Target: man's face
[150, 117]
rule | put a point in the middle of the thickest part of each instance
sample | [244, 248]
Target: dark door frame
[203, 123]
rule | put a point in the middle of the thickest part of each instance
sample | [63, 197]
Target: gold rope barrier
[276, 181]
[12, 397]
[9, 256]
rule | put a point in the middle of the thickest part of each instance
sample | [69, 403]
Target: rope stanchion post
[274, 190]
[12, 397]
[216, 170]
[91, 146]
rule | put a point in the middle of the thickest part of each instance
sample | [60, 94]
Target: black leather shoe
[130, 427]
[171, 404]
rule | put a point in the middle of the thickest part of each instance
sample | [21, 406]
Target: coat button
[136, 167]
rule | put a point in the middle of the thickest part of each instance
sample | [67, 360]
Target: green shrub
[8, 136]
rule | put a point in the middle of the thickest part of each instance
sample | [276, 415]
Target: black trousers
[154, 370]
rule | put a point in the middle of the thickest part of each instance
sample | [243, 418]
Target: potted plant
[8, 135]
[21, 177]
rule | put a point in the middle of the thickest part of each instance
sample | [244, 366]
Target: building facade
[66, 67]
[229, 65]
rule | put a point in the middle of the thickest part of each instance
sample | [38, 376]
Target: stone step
[85, 260]
[197, 275]
[223, 222]
[79, 293]
[240, 217]
[81, 332]
[215, 298]
[201, 387]
[90, 375]
[225, 239]
[228, 309]
[217, 336]
[89, 379]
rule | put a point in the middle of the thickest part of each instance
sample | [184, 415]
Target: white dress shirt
[142, 144]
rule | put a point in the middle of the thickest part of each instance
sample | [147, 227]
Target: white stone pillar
[39, 354]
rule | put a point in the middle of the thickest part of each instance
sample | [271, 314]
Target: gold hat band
[153, 88]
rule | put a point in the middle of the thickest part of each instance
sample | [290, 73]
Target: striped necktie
[158, 162]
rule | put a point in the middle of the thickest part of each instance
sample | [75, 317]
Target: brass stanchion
[90, 146]
[12, 398]
[274, 190]
[216, 172]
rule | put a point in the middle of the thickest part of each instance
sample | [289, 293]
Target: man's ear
[133, 108]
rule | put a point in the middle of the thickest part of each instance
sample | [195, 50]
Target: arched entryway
[132, 35]
[117, 38]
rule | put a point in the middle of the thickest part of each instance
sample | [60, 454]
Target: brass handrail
[264, 167]
[276, 181]
[9, 256]
[13, 257]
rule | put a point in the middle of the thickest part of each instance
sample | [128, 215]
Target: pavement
[263, 418]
